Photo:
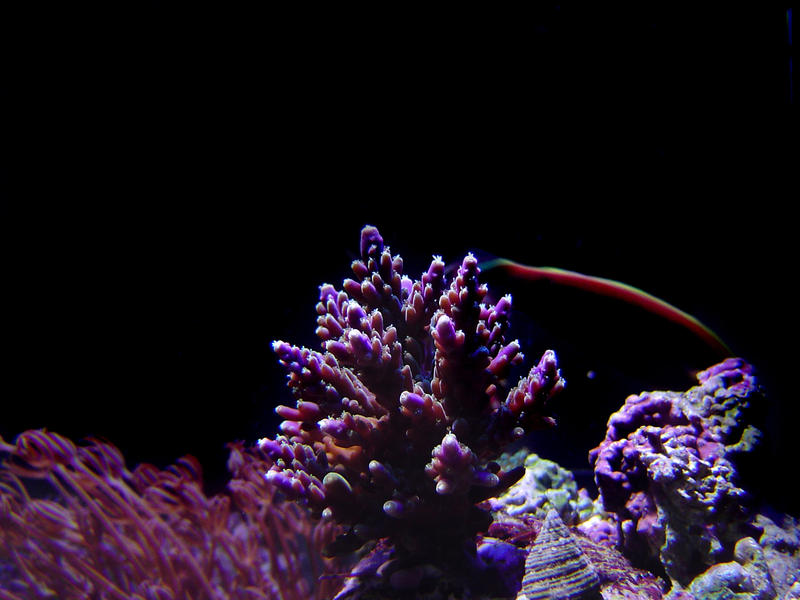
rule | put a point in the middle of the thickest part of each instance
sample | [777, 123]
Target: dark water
[205, 209]
[172, 354]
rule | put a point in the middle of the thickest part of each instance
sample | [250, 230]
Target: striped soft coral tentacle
[84, 567]
[27, 572]
[93, 506]
[150, 533]
[278, 524]
[127, 499]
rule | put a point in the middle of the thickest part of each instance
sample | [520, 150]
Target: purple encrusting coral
[401, 411]
[665, 468]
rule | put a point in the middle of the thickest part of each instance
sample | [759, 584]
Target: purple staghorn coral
[665, 468]
[402, 410]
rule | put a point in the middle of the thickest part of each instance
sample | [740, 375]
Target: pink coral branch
[400, 414]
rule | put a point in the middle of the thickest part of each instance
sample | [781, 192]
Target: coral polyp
[401, 411]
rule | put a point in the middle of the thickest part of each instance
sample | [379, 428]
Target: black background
[189, 177]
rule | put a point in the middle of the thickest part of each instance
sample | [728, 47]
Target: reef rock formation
[545, 486]
[767, 569]
[665, 469]
[781, 545]
[746, 577]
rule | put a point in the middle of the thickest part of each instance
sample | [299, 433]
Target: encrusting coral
[402, 410]
[665, 469]
[545, 486]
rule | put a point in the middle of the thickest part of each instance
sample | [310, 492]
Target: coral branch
[400, 412]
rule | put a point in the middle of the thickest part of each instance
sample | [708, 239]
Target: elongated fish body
[555, 568]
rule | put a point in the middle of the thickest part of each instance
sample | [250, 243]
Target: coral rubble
[401, 412]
